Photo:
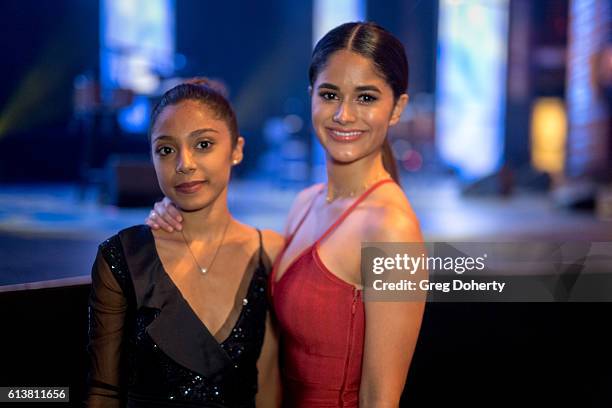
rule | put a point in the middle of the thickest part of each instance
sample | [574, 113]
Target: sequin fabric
[113, 254]
[154, 376]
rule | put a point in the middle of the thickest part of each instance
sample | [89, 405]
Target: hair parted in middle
[386, 53]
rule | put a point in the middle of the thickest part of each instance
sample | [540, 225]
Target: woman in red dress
[336, 350]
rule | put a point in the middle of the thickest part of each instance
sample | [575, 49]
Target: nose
[344, 113]
[185, 163]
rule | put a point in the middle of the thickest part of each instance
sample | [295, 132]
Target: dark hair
[209, 93]
[378, 45]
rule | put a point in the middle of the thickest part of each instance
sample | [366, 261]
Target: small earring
[235, 162]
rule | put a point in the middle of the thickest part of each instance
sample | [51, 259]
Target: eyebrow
[195, 133]
[327, 85]
[368, 88]
[198, 132]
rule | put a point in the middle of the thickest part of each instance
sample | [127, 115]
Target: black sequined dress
[148, 348]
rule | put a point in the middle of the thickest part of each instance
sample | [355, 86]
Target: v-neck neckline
[164, 273]
[275, 279]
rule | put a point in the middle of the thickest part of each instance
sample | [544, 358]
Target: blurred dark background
[507, 137]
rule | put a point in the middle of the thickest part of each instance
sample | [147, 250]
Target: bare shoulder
[247, 238]
[273, 243]
[300, 203]
[306, 195]
[389, 217]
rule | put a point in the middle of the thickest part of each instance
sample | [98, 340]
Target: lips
[344, 135]
[190, 187]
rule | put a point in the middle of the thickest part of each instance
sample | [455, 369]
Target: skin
[349, 96]
[352, 108]
[352, 104]
[189, 144]
[193, 154]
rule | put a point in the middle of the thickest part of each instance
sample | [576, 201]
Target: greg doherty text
[426, 285]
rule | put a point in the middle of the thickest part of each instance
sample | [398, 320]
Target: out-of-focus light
[293, 123]
[471, 90]
[548, 135]
[274, 130]
[135, 118]
[294, 150]
[328, 14]
[136, 43]
[588, 111]
[412, 160]
[400, 146]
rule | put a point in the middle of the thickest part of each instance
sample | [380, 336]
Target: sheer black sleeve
[107, 311]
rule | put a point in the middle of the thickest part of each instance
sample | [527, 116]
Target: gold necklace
[205, 270]
[333, 193]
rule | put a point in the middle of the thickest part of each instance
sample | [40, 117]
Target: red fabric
[322, 320]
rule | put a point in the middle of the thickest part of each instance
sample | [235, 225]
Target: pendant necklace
[202, 269]
[333, 193]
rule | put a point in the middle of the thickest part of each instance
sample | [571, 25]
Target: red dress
[322, 321]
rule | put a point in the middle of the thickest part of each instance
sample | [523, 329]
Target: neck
[206, 224]
[353, 176]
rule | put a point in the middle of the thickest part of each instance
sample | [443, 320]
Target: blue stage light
[471, 85]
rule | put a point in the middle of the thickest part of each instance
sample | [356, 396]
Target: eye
[204, 144]
[328, 96]
[367, 98]
[164, 150]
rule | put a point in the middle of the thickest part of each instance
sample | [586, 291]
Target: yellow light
[548, 135]
[33, 99]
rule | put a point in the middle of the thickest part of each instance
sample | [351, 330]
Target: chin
[346, 154]
[344, 157]
[195, 202]
[192, 207]
[190, 204]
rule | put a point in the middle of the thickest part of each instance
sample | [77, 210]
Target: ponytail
[389, 162]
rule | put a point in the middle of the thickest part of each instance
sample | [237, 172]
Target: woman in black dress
[180, 319]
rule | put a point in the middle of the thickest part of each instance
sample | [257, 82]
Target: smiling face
[352, 107]
[192, 154]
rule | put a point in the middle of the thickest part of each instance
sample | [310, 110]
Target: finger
[171, 209]
[174, 212]
[159, 207]
[152, 224]
[154, 217]
[167, 212]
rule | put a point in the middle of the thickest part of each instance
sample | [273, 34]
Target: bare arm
[392, 329]
[269, 386]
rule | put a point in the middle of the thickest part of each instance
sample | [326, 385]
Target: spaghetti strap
[260, 247]
[288, 241]
[304, 216]
[346, 212]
